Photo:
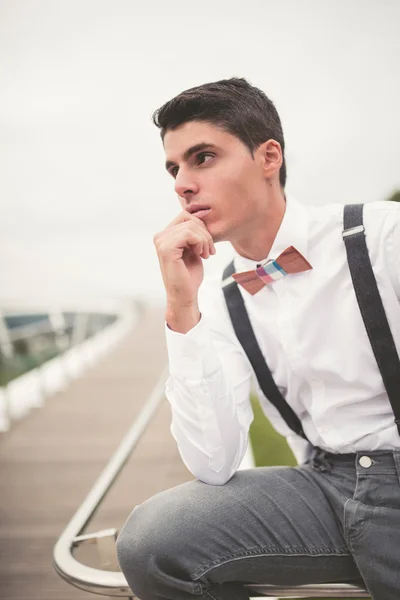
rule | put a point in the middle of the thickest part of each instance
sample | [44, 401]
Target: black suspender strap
[371, 306]
[245, 334]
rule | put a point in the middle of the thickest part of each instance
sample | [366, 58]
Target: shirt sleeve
[209, 393]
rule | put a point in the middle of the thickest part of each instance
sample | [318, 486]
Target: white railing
[30, 390]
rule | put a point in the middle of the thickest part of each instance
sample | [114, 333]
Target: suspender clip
[353, 230]
[227, 281]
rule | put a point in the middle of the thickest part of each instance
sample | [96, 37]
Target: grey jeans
[330, 520]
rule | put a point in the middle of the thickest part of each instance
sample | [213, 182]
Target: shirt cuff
[191, 355]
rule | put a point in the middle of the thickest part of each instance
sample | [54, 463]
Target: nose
[185, 184]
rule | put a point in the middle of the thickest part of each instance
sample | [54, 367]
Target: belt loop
[320, 461]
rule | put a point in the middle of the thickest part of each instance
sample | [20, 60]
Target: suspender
[371, 307]
[245, 334]
[372, 311]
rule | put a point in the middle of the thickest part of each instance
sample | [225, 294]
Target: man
[336, 516]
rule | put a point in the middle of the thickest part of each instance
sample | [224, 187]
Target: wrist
[182, 318]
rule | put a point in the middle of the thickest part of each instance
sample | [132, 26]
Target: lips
[201, 213]
[199, 210]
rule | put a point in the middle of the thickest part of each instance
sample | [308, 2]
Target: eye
[202, 155]
[174, 171]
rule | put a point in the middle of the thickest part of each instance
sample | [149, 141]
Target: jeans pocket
[356, 518]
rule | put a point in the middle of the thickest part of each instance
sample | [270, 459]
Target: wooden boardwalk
[50, 460]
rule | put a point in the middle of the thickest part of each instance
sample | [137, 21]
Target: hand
[181, 246]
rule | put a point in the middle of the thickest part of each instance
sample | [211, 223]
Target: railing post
[6, 345]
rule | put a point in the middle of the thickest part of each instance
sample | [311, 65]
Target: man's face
[215, 173]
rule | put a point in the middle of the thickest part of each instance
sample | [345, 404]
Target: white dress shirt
[311, 333]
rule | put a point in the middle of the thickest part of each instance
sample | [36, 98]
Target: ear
[270, 155]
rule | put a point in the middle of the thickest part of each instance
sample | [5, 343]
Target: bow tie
[290, 261]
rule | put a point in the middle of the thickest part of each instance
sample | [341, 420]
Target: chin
[212, 230]
[218, 233]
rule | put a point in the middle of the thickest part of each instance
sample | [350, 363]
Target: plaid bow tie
[290, 261]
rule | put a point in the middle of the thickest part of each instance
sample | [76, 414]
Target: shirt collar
[293, 231]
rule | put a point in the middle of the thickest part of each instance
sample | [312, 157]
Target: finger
[186, 240]
[183, 221]
[184, 216]
[193, 226]
[196, 241]
[195, 221]
[192, 240]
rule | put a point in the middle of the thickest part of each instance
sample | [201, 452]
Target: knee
[151, 545]
[132, 554]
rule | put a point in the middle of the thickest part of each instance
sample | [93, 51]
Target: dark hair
[232, 104]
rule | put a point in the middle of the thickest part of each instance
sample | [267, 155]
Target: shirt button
[365, 462]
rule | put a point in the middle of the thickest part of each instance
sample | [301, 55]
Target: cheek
[234, 188]
[239, 194]
[244, 177]
[233, 185]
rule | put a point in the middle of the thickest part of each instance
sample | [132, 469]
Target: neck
[256, 240]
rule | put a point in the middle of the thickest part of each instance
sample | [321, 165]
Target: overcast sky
[82, 180]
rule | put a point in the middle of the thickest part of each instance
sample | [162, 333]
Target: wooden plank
[50, 460]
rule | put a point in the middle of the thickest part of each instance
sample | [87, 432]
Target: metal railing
[45, 349]
[113, 583]
[100, 581]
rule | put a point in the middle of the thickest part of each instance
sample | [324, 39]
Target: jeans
[333, 519]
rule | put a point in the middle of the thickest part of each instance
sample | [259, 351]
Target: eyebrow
[190, 151]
